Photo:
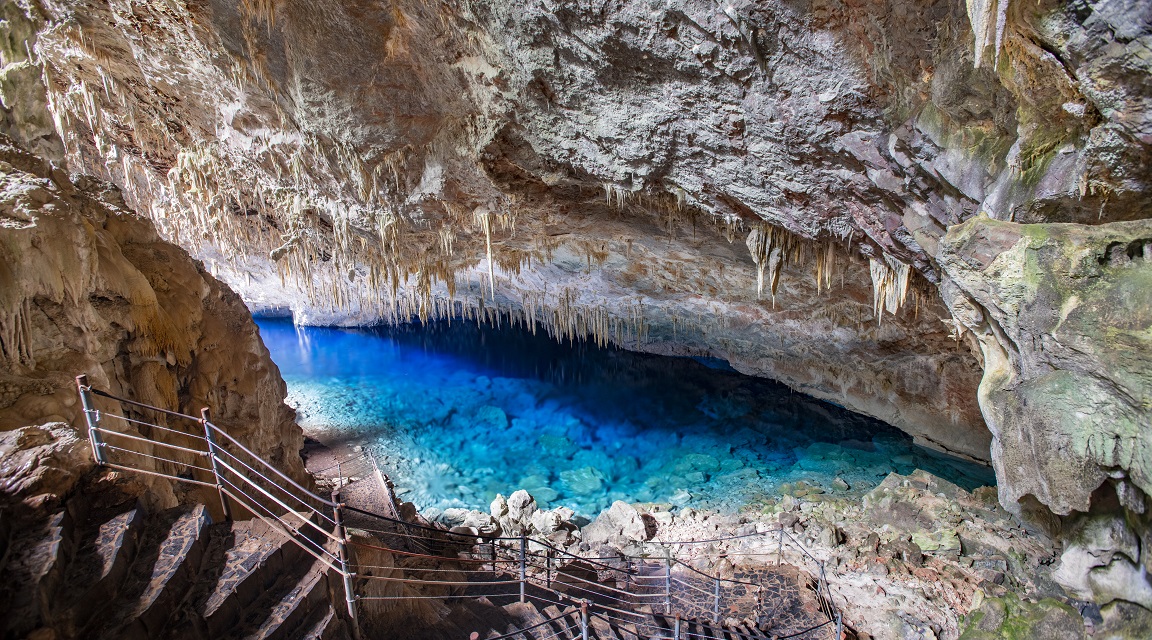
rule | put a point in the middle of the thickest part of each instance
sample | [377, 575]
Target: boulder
[583, 481]
[499, 507]
[521, 506]
[621, 519]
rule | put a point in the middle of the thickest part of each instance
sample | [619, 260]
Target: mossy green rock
[1064, 317]
[1009, 618]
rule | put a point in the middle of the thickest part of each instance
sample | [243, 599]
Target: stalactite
[16, 335]
[770, 248]
[889, 285]
[989, 19]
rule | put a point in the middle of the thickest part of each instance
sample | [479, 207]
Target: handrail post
[676, 631]
[583, 620]
[549, 561]
[668, 585]
[839, 626]
[342, 554]
[780, 547]
[215, 465]
[523, 563]
[716, 603]
[91, 418]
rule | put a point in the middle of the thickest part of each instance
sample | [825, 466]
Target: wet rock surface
[918, 557]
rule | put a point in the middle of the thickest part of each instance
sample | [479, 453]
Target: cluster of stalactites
[16, 335]
[890, 279]
[773, 247]
[561, 315]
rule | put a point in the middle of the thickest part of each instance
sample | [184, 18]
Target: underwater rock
[583, 481]
[557, 446]
[489, 417]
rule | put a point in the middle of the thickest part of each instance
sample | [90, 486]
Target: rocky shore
[916, 558]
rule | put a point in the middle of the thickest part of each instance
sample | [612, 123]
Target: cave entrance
[456, 413]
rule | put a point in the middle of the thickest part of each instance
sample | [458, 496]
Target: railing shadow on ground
[656, 596]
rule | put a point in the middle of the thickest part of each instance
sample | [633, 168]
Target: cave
[611, 319]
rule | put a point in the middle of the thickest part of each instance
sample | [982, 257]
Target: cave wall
[843, 196]
[87, 286]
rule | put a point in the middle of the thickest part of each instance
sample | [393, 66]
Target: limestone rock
[1066, 412]
[621, 519]
[1011, 617]
[499, 507]
[40, 464]
[86, 286]
[583, 481]
[521, 506]
[1101, 563]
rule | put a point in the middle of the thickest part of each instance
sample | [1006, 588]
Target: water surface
[459, 413]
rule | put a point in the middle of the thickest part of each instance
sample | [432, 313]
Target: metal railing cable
[282, 490]
[158, 443]
[283, 476]
[153, 426]
[110, 447]
[526, 629]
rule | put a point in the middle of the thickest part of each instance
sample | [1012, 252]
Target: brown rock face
[87, 286]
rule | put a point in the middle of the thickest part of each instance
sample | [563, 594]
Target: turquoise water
[459, 413]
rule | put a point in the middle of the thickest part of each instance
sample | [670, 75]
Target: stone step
[324, 624]
[527, 615]
[94, 577]
[622, 629]
[171, 550]
[739, 632]
[292, 607]
[256, 556]
[558, 627]
[602, 628]
[572, 623]
[241, 560]
[35, 559]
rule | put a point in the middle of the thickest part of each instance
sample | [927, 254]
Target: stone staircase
[526, 621]
[115, 571]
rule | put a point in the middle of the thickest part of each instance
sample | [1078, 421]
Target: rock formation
[867, 201]
[86, 286]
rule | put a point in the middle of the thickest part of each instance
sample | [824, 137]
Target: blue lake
[458, 413]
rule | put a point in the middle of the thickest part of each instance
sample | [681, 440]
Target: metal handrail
[535, 626]
[262, 490]
[226, 488]
[159, 443]
[278, 472]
